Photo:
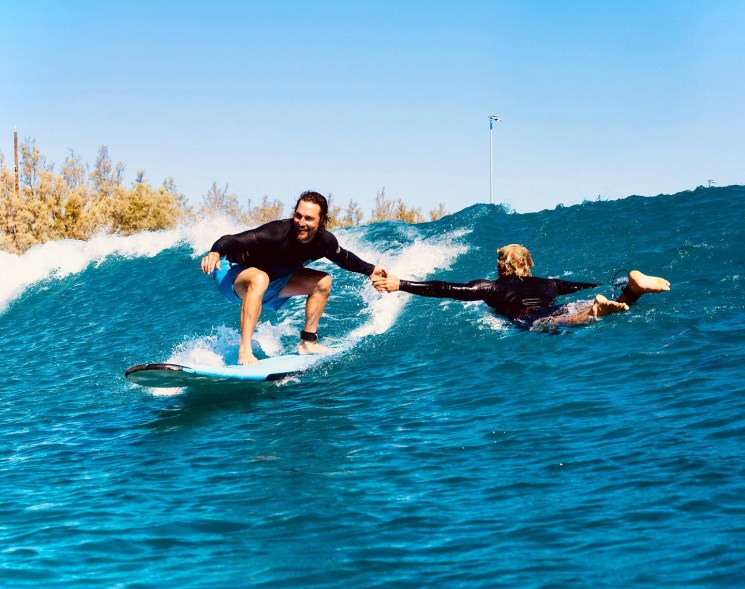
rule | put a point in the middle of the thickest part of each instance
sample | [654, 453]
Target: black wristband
[308, 336]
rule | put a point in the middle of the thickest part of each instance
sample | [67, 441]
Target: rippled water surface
[443, 448]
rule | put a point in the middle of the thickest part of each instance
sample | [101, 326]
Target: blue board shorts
[225, 276]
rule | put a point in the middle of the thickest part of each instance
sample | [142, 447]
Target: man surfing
[265, 266]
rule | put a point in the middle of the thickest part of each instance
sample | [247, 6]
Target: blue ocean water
[443, 448]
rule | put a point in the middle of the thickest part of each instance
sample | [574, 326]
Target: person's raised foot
[640, 284]
[306, 348]
[602, 306]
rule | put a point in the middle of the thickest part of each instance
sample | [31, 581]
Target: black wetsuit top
[275, 249]
[517, 298]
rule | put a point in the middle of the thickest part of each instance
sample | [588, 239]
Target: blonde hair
[514, 260]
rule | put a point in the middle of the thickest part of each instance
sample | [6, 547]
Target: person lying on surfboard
[265, 266]
[526, 299]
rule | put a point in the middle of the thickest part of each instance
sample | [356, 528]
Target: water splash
[58, 259]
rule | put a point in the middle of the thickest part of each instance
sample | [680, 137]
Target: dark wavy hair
[320, 200]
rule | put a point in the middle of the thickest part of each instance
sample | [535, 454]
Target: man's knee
[324, 285]
[251, 279]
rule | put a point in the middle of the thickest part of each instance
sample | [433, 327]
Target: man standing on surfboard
[265, 266]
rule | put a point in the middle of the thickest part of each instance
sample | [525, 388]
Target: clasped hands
[383, 281]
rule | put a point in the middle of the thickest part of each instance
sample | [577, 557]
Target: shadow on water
[196, 405]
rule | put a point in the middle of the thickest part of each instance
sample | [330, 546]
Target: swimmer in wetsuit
[528, 300]
[266, 266]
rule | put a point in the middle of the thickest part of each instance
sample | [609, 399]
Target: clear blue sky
[597, 97]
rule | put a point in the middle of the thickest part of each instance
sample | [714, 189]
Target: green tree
[33, 163]
[76, 204]
[384, 209]
[144, 208]
[268, 210]
[75, 171]
[218, 200]
[333, 214]
[9, 205]
[352, 216]
[438, 213]
[79, 201]
[390, 210]
[104, 177]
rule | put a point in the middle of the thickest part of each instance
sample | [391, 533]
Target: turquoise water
[443, 448]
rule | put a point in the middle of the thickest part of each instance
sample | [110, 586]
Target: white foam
[220, 348]
[269, 336]
[414, 261]
[57, 259]
[408, 255]
[201, 234]
[492, 322]
[209, 350]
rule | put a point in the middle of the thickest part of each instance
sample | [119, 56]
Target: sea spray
[449, 449]
[413, 257]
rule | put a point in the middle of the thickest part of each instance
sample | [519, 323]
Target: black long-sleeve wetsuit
[275, 249]
[518, 298]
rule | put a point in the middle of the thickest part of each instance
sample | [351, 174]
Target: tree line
[79, 201]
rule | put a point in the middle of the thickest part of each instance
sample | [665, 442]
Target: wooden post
[15, 149]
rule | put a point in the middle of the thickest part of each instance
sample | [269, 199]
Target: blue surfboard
[186, 375]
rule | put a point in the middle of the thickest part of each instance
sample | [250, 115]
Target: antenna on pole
[492, 119]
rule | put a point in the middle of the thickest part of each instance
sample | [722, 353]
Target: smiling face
[307, 220]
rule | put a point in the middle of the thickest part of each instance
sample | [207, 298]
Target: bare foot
[306, 348]
[602, 306]
[246, 356]
[640, 284]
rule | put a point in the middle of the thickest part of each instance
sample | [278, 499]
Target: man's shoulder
[276, 223]
[326, 239]
[273, 229]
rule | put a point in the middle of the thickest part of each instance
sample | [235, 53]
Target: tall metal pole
[491, 151]
[492, 120]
